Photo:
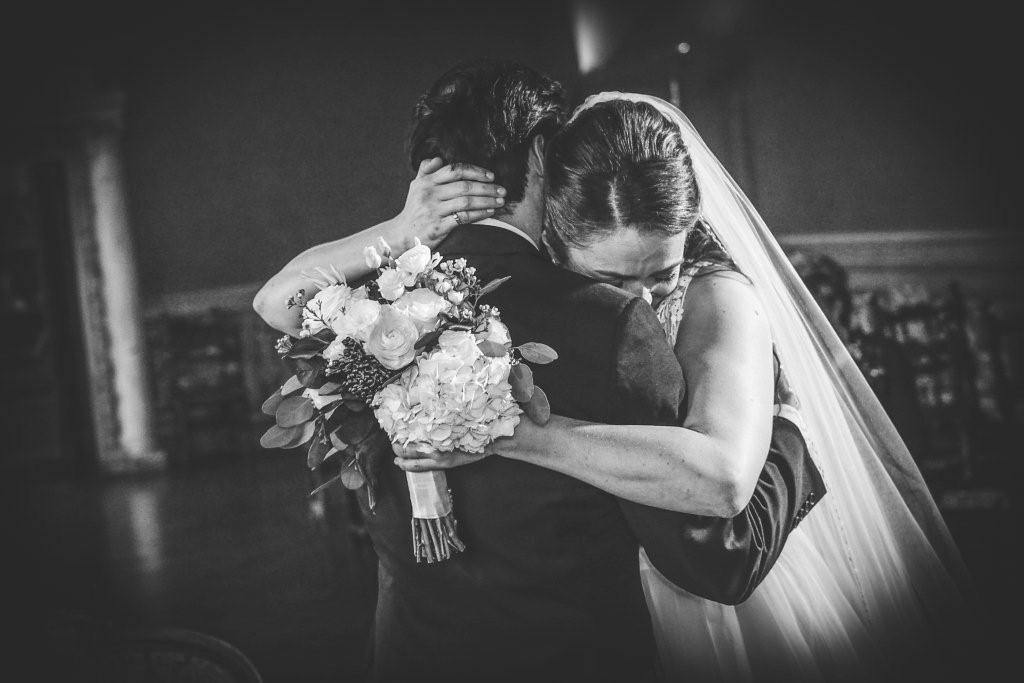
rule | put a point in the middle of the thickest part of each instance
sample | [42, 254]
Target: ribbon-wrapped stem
[434, 534]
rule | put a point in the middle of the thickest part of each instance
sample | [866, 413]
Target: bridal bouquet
[415, 352]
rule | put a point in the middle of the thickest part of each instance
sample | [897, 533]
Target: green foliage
[492, 349]
[535, 352]
[287, 437]
[293, 411]
[521, 379]
[493, 285]
[269, 406]
[539, 408]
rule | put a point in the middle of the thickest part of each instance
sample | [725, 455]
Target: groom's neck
[527, 216]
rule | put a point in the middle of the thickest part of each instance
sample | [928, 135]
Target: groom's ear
[536, 160]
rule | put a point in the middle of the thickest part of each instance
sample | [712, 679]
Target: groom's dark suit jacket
[549, 587]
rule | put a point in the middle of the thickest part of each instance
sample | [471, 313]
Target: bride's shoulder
[722, 300]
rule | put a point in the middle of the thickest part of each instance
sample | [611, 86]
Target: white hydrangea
[454, 398]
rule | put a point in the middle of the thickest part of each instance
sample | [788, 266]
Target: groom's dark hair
[486, 113]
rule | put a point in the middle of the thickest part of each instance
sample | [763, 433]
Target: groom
[549, 587]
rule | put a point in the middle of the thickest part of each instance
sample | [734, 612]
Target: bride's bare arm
[436, 193]
[710, 465]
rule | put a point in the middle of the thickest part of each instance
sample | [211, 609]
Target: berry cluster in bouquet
[410, 358]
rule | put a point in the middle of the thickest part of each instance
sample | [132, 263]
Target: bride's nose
[637, 287]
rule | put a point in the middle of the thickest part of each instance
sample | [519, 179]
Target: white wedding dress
[797, 626]
[870, 586]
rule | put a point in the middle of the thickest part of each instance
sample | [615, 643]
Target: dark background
[252, 130]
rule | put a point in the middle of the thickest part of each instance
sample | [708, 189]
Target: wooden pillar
[109, 291]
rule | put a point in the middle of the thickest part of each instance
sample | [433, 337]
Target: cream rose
[393, 339]
[391, 283]
[423, 307]
[358, 320]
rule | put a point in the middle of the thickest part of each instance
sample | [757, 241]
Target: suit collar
[481, 238]
[511, 228]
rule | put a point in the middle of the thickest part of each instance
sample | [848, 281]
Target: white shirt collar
[495, 223]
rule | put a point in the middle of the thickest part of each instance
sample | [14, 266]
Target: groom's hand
[442, 196]
[412, 460]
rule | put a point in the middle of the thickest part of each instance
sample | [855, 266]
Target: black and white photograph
[665, 341]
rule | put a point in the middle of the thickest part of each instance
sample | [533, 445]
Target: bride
[870, 586]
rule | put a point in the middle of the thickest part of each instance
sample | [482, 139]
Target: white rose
[323, 308]
[391, 283]
[423, 307]
[393, 339]
[413, 262]
[358, 321]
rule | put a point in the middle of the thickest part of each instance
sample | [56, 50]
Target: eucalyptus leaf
[539, 408]
[521, 379]
[535, 352]
[318, 448]
[356, 427]
[291, 386]
[269, 406]
[285, 437]
[337, 442]
[305, 433]
[492, 349]
[328, 388]
[306, 348]
[352, 478]
[294, 410]
[428, 339]
[494, 284]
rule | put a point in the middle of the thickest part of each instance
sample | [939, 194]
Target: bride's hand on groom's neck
[443, 196]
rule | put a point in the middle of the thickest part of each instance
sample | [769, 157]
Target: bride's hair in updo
[618, 164]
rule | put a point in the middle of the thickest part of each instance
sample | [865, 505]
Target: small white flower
[372, 258]
[322, 309]
[319, 402]
[456, 297]
[497, 332]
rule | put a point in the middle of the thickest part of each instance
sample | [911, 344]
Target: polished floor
[237, 551]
